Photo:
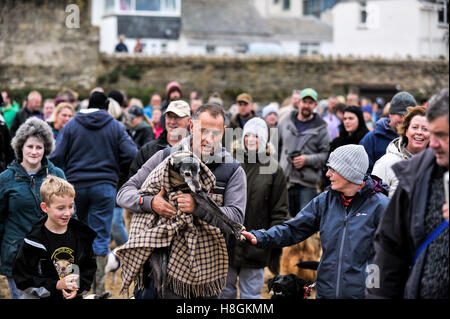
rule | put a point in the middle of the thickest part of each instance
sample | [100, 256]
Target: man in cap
[234, 129]
[90, 149]
[376, 141]
[303, 144]
[142, 131]
[177, 117]
[347, 216]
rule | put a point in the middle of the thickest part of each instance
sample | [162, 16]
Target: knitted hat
[271, 108]
[351, 162]
[98, 100]
[118, 97]
[400, 102]
[173, 86]
[258, 127]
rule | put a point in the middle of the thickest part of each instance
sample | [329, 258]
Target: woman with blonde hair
[414, 138]
[63, 113]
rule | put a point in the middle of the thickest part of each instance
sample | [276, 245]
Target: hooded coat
[402, 230]
[395, 152]
[20, 209]
[267, 206]
[377, 141]
[314, 143]
[91, 148]
[346, 236]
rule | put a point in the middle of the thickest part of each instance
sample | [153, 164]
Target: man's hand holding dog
[163, 207]
[250, 237]
[186, 203]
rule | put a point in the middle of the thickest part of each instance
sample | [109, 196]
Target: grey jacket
[314, 143]
[235, 196]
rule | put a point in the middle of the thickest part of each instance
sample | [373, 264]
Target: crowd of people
[366, 174]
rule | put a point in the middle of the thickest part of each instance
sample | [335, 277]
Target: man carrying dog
[207, 130]
[346, 215]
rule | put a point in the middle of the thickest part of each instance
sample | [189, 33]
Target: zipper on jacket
[341, 250]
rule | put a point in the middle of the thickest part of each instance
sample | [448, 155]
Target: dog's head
[287, 286]
[188, 167]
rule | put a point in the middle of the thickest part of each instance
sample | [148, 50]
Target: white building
[391, 28]
[230, 27]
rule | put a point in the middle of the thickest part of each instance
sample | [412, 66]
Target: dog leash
[308, 290]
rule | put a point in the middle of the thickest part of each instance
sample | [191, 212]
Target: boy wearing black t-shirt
[56, 260]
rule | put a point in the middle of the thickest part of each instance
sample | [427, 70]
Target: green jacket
[9, 112]
[20, 209]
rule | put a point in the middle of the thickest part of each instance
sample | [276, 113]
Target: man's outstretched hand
[250, 237]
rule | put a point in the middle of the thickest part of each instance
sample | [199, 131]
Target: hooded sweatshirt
[91, 147]
[377, 141]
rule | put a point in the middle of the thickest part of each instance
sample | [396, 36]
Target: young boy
[56, 260]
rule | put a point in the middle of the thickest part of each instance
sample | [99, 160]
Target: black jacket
[6, 152]
[143, 134]
[267, 206]
[33, 270]
[402, 230]
[148, 150]
[21, 117]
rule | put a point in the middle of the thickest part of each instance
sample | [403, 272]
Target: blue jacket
[377, 141]
[91, 147]
[347, 238]
[20, 209]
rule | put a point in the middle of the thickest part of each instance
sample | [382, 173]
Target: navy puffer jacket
[346, 236]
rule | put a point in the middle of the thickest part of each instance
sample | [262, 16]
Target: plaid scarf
[198, 258]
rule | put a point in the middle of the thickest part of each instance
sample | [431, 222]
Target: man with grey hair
[411, 262]
[347, 216]
[32, 108]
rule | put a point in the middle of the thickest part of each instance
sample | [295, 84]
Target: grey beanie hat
[400, 102]
[258, 127]
[351, 162]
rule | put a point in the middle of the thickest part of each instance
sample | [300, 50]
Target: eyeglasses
[331, 170]
[242, 103]
[172, 116]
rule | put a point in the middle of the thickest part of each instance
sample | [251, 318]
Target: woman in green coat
[20, 187]
[267, 205]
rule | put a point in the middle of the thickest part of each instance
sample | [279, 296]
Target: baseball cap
[179, 107]
[308, 93]
[244, 97]
[135, 111]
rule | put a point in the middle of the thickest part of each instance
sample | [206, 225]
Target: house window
[109, 6]
[286, 4]
[309, 48]
[144, 5]
[362, 13]
[443, 12]
[210, 49]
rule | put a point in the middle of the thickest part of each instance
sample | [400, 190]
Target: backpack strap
[442, 226]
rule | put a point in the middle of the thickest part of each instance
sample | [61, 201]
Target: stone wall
[38, 49]
[269, 78]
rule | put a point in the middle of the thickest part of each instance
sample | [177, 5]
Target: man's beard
[306, 112]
